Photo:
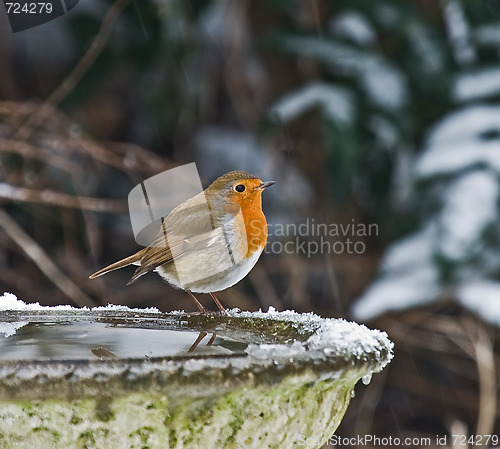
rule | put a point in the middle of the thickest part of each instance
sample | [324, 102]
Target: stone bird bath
[114, 377]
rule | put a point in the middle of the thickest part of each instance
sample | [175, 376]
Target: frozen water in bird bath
[68, 340]
[119, 377]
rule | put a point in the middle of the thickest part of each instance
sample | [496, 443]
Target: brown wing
[186, 229]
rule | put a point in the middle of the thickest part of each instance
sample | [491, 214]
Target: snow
[118, 308]
[415, 249]
[9, 301]
[347, 338]
[331, 335]
[477, 85]
[409, 277]
[309, 320]
[458, 33]
[329, 338]
[398, 291]
[448, 159]
[385, 132]
[481, 297]
[460, 165]
[353, 26]
[466, 124]
[488, 34]
[470, 207]
[273, 351]
[458, 142]
[383, 83]
[335, 102]
[343, 58]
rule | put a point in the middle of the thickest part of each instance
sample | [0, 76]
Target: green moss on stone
[103, 410]
[250, 416]
[75, 419]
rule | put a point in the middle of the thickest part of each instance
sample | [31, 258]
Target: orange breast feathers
[250, 221]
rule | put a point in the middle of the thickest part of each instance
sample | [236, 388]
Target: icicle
[366, 379]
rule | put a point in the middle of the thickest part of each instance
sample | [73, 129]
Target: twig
[264, 288]
[31, 152]
[485, 360]
[44, 263]
[77, 73]
[60, 199]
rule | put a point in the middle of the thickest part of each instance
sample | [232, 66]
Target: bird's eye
[240, 188]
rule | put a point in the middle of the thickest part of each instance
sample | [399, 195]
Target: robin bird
[209, 242]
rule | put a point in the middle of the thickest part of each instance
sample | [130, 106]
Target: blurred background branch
[69, 83]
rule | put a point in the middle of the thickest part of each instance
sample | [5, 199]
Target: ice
[335, 102]
[353, 26]
[9, 329]
[477, 85]
[366, 379]
[481, 297]
[470, 207]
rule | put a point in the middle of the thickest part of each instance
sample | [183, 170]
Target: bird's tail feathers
[134, 258]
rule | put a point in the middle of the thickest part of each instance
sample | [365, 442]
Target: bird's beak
[266, 184]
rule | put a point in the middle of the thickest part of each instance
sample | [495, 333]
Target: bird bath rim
[278, 343]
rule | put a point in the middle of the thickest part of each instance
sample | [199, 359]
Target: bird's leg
[212, 338]
[219, 305]
[197, 342]
[198, 303]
